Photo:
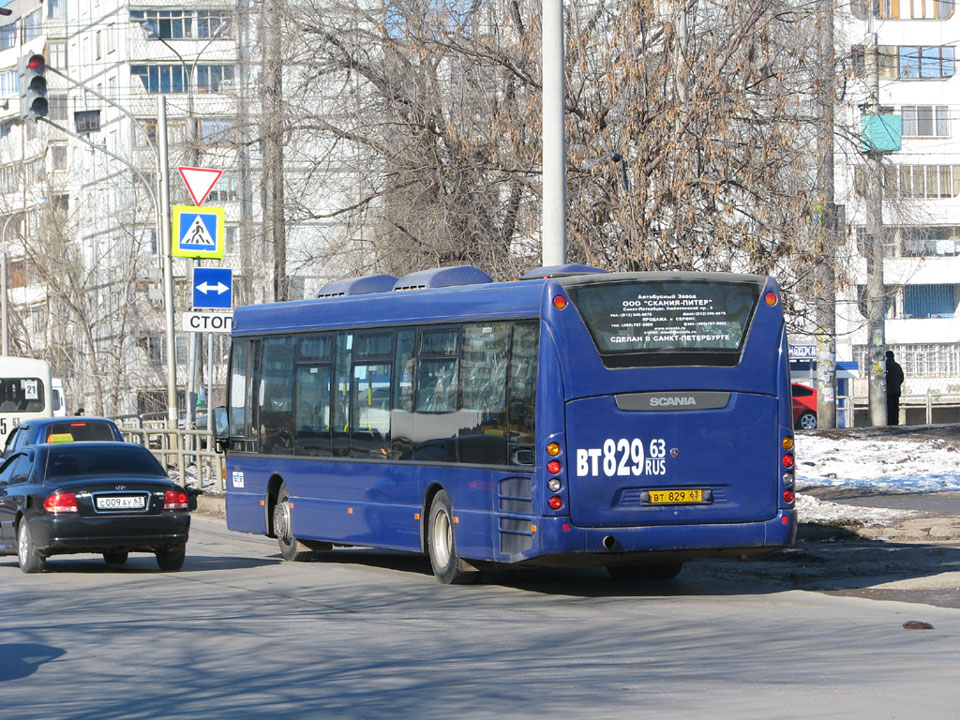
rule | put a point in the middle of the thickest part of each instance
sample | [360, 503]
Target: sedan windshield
[118, 459]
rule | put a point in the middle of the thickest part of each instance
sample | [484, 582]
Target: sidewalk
[935, 516]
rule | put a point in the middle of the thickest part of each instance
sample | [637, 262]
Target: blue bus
[570, 418]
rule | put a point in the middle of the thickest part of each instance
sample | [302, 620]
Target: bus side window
[521, 409]
[313, 410]
[276, 396]
[239, 388]
[341, 394]
[483, 422]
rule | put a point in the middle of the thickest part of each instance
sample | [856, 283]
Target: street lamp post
[3, 289]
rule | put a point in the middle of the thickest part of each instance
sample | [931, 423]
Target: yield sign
[199, 182]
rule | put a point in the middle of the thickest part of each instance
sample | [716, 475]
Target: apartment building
[80, 205]
[917, 43]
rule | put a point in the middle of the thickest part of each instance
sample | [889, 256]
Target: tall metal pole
[826, 229]
[875, 290]
[3, 290]
[553, 227]
[167, 245]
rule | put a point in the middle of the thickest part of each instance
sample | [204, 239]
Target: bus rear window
[21, 395]
[667, 322]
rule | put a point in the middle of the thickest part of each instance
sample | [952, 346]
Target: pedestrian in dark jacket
[894, 381]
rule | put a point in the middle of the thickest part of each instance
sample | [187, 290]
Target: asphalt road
[362, 634]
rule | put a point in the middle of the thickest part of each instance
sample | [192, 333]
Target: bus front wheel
[447, 567]
[291, 548]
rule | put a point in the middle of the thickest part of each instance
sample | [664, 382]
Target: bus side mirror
[221, 427]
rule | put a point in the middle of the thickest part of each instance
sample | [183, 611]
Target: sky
[884, 464]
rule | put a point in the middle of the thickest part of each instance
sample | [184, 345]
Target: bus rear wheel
[292, 549]
[447, 567]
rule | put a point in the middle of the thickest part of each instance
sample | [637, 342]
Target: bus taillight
[553, 449]
[788, 460]
[770, 299]
[559, 302]
[788, 496]
[555, 502]
[554, 467]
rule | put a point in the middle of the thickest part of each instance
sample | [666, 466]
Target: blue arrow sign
[212, 287]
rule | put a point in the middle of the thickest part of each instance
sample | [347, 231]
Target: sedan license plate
[671, 497]
[122, 502]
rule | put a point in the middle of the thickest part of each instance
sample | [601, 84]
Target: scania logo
[672, 401]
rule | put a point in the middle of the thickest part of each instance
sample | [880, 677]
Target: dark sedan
[101, 497]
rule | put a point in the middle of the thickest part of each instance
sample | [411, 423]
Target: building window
[925, 120]
[161, 78]
[926, 62]
[214, 78]
[212, 23]
[902, 9]
[929, 301]
[165, 24]
[58, 155]
[175, 133]
[57, 9]
[8, 36]
[913, 181]
[58, 106]
[57, 54]
[9, 83]
[31, 26]
[226, 188]
[216, 130]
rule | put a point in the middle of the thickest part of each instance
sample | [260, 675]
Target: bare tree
[708, 105]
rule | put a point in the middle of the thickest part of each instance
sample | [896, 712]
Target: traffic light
[33, 87]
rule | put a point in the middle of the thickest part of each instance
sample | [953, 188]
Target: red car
[804, 406]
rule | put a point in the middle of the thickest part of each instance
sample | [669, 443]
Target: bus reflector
[785, 520]
[566, 527]
[555, 502]
[554, 467]
[788, 443]
[770, 299]
[553, 449]
[559, 302]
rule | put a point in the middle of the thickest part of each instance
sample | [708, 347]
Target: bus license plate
[125, 502]
[668, 497]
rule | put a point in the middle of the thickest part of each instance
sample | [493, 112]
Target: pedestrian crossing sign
[198, 232]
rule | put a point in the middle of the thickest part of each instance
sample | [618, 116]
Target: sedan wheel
[31, 561]
[172, 558]
[808, 421]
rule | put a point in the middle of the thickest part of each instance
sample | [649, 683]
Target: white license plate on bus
[122, 502]
[673, 497]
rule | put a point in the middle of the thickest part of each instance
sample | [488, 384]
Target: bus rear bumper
[563, 543]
